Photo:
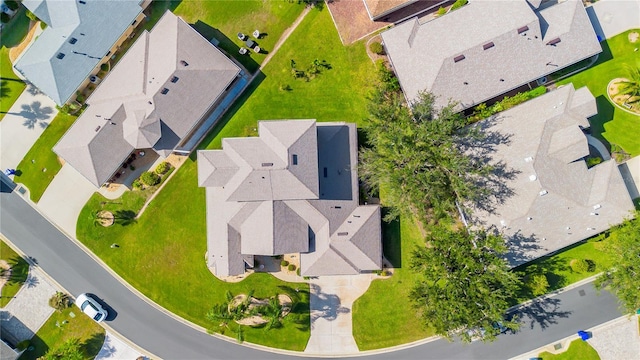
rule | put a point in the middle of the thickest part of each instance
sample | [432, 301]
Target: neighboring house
[293, 189]
[553, 199]
[80, 36]
[488, 48]
[167, 84]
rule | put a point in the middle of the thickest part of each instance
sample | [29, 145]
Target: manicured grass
[223, 20]
[19, 273]
[384, 315]
[578, 349]
[558, 270]
[10, 85]
[60, 327]
[611, 124]
[162, 254]
[30, 173]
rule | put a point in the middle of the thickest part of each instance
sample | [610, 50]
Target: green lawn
[578, 349]
[10, 85]
[31, 173]
[19, 273]
[62, 326]
[611, 124]
[223, 20]
[384, 315]
[162, 254]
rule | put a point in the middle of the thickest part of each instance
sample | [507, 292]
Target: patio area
[138, 162]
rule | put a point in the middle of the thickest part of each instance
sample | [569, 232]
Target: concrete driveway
[612, 17]
[23, 124]
[330, 305]
[65, 197]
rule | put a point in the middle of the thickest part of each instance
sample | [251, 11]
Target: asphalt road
[542, 323]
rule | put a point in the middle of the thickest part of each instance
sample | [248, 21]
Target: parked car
[91, 307]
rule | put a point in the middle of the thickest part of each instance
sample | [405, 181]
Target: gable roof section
[556, 200]
[94, 33]
[487, 48]
[132, 98]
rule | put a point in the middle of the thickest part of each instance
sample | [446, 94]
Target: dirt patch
[106, 218]
[15, 51]
[633, 37]
[5, 272]
[352, 21]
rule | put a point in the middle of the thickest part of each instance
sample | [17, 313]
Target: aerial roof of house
[487, 48]
[78, 35]
[153, 98]
[293, 189]
[553, 199]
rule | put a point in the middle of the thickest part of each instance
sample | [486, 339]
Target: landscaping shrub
[4, 18]
[23, 345]
[442, 11]
[387, 77]
[12, 5]
[284, 263]
[43, 25]
[579, 265]
[481, 111]
[31, 16]
[538, 284]
[291, 267]
[593, 161]
[376, 48]
[149, 179]
[163, 168]
[136, 184]
[459, 4]
[104, 67]
[79, 97]
[298, 272]
[60, 301]
[285, 87]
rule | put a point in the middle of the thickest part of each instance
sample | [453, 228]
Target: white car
[91, 307]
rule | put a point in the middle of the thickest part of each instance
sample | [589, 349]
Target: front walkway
[23, 124]
[330, 305]
[29, 309]
[65, 197]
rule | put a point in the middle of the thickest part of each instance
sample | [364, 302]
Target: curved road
[543, 322]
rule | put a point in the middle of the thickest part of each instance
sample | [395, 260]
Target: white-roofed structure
[293, 189]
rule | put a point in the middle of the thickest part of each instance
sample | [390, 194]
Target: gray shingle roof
[556, 199]
[498, 45]
[131, 99]
[270, 198]
[94, 33]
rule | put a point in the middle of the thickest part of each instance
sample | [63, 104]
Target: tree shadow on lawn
[552, 267]
[226, 44]
[93, 345]
[299, 313]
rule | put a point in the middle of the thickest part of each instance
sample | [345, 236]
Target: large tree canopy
[467, 284]
[624, 278]
[414, 156]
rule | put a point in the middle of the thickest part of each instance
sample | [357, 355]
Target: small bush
[23, 345]
[579, 265]
[163, 168]
[136, 184]
[538, 284]
[104, 67]
[43, 25]
[79, 97]
[4, 18]
[132, 168]
[12, 5]
[298, 272]
[593, 161]
[442, 11]
[540, 90]
[459, 4]
[149, 179]
[285, 87]
[31, 16]
[284, 263]
[291, 267]
[60, 301]
[376, 48]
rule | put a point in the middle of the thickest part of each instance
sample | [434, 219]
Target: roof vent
[294, 159]
[345, 233]
[98, 128]
[593, 213]
[73, 40]
[82, 2]
[60, 56]
[184, 63]
[529, 218]
[267, 164]
[543, 192]
[528, 159]
[174, 79]
[532, 178]
[554, 42]
[488, 45]
[164, 91]
[596, 206]
[523, 29]
[458, 58]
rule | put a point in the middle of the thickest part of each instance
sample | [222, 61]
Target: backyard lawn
[30, 171]
[578, 349]
[19, 273]
[61, 326]
[162, 254]
[10, 85]
[613, 125]
[384, 315]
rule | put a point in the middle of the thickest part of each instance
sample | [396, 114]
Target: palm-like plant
[631, 86]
